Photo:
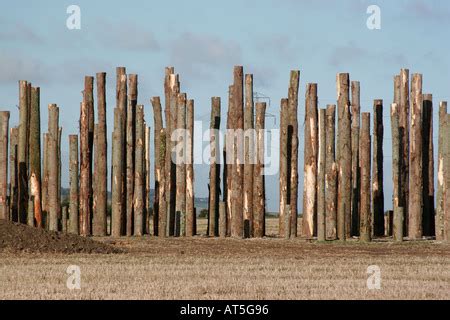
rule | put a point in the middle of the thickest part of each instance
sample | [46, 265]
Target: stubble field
[206, 268]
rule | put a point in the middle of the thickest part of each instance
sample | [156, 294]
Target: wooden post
[45, 175]
[73, 176]
[121, 104]
[162, 209]
[22, 148]
[321, 229]
[397, 86]
[14, 136]
[94, 215]
[130, 138]
[101, 171]
[403, 113]
[440, 201]
[190, 199]
[415, 160]
[228, 167]
[396, 174]
[249, 158]
[116, 183]
[330, 174]
[58, 150]
[147, 178]
[4, 132]
[214, 178]
[293, 148]
[85, 179]
[64, 219]
[259, 200]
[222, 220]
[138, 193]
[365, 223]
[35, 159]
[446, 156]
[158, 125]
[283, 187]
[355, 88]
[287, 223]
[181, 164]
[88, 99]
[310, 163]
[377, 170]
[428, 166]
[53, 119]
[344, 158]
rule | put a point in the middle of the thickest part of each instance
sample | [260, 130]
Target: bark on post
[397, 231]
[147, 178]
[428, 166]
[237, 116]
[58, 150]
[259, 200]
[181, 164]
[228, 168]
[355, 89]
[310, 163]
[415, 160]
[53, 132]
[14, 133]
[377, 170]
[22, 149]
[101, 172]
[222, 220]
[158, 125]
[330, 174]
[344, 158]
[190, 209]
[403, 113]
[446, 156]
[73, 176]
[293, 148]
[162, 217]
[249, 156]
[365, 222]
[94, 181]
[64, 219]
[288, 220]
[88, 99]
[130, 138]
[85, 179]
[283, 187]
[138, 174]
[116, 181]
[440, 201]
[121, 104]
[4, 133]
[214, 173]
[45, 177]
[321, 234]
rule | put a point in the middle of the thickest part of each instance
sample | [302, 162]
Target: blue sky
[203, 40]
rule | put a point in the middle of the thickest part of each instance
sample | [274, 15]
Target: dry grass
[203, 268]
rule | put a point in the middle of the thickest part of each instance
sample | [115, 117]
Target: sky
[203, 40]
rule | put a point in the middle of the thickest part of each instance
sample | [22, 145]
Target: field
[205, 268]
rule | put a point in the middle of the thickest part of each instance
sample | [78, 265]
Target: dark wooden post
[130, 150]
[377, 170]
[344, 158]
[22, 148]
[283, 165]
[53, 205]
[14, 136]
[355, 89]
[214, 173]
[162, 209]
[330, 174]
[4, 132]
[415, 160]
[310, 163]
[138, 193]
[397, 231]
[440, 201]
[428, 166]
[321, 234]
[85, 208]
[190, 199]
[365, 222]
[101, 171]
[222, 219]
[73, 176]
[249, 162]
[158, 125]
[293, 147]
[258, 180]
[116, 183]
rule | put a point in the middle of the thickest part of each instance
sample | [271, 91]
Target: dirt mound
[16, 237]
